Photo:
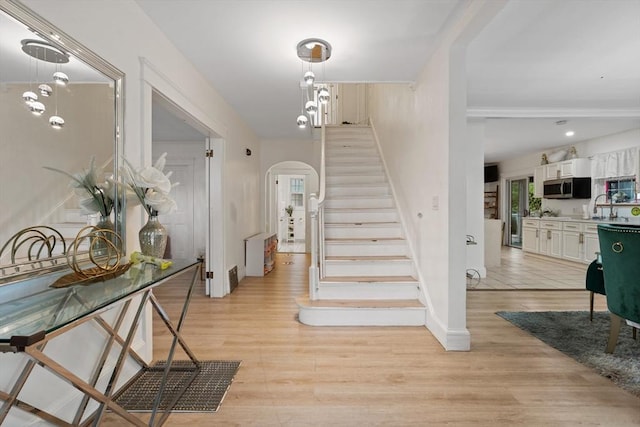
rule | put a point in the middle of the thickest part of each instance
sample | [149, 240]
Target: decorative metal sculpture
[102, 261]
[36, 242]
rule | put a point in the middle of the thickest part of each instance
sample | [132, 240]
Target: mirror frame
[49, 32]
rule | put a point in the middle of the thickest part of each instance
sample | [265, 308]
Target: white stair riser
[354, 169]
[354, 190]
[362, 231]
[368, 157]
[368, 291]
[347, 316]
[356, 179]
[367, 248]
[344, 143]
[368, 215]
[357, 268]
[351, 152]
[359, 202]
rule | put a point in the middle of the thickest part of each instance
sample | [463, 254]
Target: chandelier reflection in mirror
[46, 52]
[312, 51]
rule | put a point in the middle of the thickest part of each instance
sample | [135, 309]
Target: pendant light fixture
[309, 78]
[312, 50]
[44, 51]
[311, 107]
[60, 78]
[323, 95]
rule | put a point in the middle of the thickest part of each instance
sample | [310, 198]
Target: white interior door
[180, 223]
[217, 283]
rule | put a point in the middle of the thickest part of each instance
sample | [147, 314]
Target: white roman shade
[615, 164]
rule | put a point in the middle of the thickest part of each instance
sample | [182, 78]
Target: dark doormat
[573, 334]
[204, 394]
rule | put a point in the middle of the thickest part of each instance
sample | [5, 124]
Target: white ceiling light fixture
[309, 78]
[37, 108]
[311, 107]
[323, 95]
[45, 90]
[302, 121]
[312, 50]
[60, 78]
[570, 133]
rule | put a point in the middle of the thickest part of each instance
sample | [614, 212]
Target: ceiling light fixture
[570, 133]
[60, 78]
[312, 50]
[323, 95]
[309, 78]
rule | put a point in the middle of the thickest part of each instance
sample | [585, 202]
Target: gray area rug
[573, 334]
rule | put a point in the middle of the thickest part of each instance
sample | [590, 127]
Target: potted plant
[289, 210]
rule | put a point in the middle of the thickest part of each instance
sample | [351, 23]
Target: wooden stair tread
[367, 258]
[324, 303]
[362, 239]
[368, 279]
[362, 223]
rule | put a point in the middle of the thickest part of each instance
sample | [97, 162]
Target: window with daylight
[296, 189]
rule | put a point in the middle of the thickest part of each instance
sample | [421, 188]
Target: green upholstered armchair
[594, 283]
[620, 252]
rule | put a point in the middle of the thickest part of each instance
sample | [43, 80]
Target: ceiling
[536, 63]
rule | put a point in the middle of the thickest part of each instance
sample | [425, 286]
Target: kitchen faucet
[595, 207]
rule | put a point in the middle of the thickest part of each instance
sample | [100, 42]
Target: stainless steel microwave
[567, 188]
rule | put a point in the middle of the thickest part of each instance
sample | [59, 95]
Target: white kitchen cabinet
[550, 238]
[530, 235]
[572, 241]
[552, 171]
[575, 168]
[538, 181]
[591, 242]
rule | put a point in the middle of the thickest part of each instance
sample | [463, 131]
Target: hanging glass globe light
[37, 108]
[323, 95]
[60, 78]
[311, 107]
[56, 122]
[309, 78]
[302, 121]
[29, 97]
[45, 89]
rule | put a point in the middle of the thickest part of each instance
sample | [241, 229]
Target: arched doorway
[288, 187]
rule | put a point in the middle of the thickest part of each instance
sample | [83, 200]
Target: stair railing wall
[423, 295]
[316, 213]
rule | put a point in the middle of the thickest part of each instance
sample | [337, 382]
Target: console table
[29, 323]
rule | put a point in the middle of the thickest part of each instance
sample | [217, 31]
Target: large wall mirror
[90, 104]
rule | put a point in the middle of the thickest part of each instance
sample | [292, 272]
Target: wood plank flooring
[297, 375]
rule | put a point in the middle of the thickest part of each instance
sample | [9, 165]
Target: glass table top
[53, 308]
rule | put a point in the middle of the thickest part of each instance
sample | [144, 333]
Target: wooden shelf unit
[491, 204]
[260, 252]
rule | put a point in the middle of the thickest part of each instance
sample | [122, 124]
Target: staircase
[369, 276]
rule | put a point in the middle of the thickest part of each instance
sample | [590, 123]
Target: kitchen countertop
[619, 220]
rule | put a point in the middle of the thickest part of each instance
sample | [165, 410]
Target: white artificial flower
[160, 202]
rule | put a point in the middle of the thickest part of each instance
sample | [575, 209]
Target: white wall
[423, 137]
[474, 167]
[130, 36]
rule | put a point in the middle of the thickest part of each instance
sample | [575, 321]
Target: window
[622, 190]
[296, 190]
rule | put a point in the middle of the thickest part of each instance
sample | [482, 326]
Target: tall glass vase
[153, 238]
[100, 246]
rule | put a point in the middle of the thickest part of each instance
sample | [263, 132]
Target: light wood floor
[520, 270]
[296, 375]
